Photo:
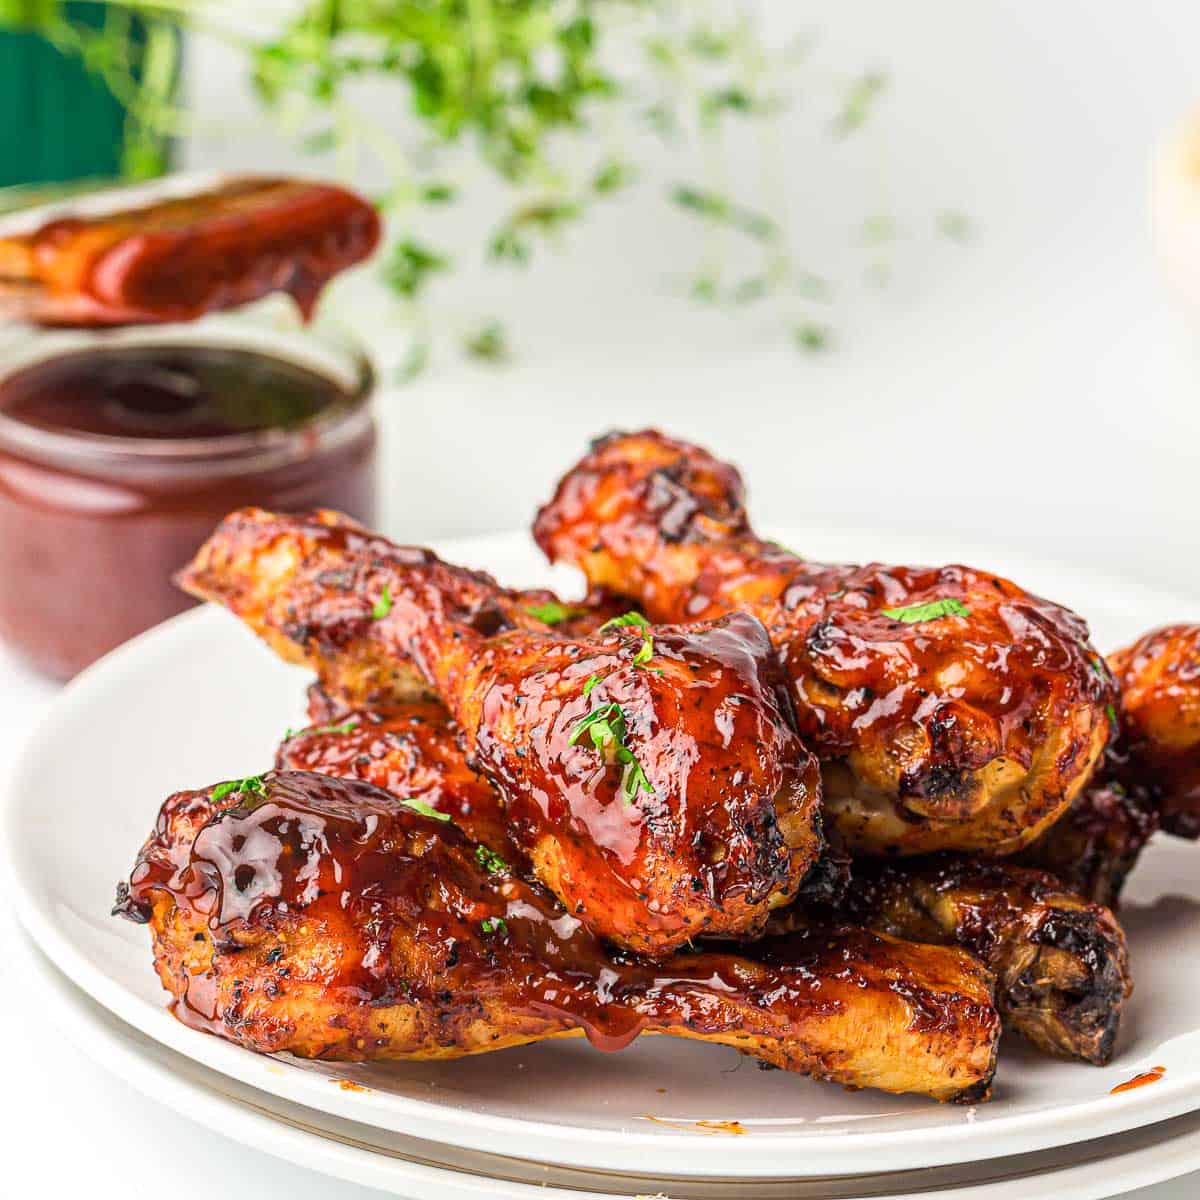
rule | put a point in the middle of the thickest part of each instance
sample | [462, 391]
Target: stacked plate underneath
[557, 1120]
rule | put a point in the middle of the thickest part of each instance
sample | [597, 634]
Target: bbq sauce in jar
[119, 453]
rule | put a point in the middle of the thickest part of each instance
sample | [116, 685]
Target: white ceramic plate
[197, 700]
[402, 1166]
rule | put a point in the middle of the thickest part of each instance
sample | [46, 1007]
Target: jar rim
[347, 365]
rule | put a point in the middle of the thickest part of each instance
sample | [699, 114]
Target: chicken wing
[652, 775]
[328, 918]
[1060, 962]
[950, 709]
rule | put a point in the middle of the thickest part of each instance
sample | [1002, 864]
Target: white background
[1036, 385]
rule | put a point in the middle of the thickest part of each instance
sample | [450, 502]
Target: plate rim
[568, 1145]
[110, 1043]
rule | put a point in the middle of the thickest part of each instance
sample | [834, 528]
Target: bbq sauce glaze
[398, 910]
[115, 462]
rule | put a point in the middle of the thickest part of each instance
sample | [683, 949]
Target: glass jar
[121, 450]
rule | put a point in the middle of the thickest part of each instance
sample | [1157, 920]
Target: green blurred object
[61, 120]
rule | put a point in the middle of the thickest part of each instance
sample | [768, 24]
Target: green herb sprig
[347, 726]
[251, 785]
[383, 605]
[426, 810]
[646, 649]
[916, 614]
[490, 861]
[552, 612]
[607, 729]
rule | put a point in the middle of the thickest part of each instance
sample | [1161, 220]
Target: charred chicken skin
[652, 775]
[328, 918]
[1060, 962]
[950, 710]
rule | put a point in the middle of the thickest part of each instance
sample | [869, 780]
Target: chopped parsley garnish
[646, 649]
[914, 614]
[426, 810]
[256, 784]
[629, 618]
[1112, 715]
[591, 682]
[784, 549]
[383, 605]
[490, 861]
[633, 778]
[494, 925]
[552, 612]
[344, 727]
[606, 727]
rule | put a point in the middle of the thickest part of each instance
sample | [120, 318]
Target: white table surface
[1036, 383]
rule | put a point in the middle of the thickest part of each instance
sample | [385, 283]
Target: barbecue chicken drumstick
[652, 775]
[1159, 747]
[411, 749]
[329, 919]
[950, 709]
[1094, 847]
[1060, 962]
[1149, 779]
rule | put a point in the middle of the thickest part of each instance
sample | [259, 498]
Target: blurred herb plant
[530, 91]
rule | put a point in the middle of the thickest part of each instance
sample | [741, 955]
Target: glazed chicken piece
[1159, 747]
[1097, 844]
[328, 919]
[176, 259]
[1150, 778]
[412, 750]
[950, 709]
[1060, 962]
[652, 775]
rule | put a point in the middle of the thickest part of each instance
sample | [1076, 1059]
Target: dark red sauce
[116, 462]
